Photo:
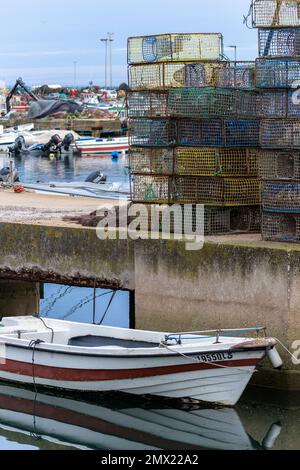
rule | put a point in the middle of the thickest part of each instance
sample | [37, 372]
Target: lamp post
[105, 40]
[75, 73]
[110, 41]
[235, 52]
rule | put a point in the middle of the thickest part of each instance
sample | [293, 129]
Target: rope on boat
[247, 371]
[109, 304]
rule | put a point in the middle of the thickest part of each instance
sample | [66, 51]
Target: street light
[235, 53]
[105, 40]
[75, 73]
[110, 41]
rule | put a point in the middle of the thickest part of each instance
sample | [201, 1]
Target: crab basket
[275, 13]
[154, 161]
[280, 227]
[281, 196]
[147, 104]
[216, 191]
[175, 47]
[280, 133]
[205, 103]
[195, 190]
[281, 165]
[281, 42]
[163, 76]
[152, 132]
[280, 103]
[277, 73]
[218, 133]
[206, 161]
[238, 75]
[232, 220]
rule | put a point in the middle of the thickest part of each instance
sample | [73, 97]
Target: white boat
[82, 189]
[117, 424]
[90, 146]
[81, 357]
[9, 136]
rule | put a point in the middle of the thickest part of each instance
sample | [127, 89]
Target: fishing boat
[116, 423]
[206, 366]
[89, 146]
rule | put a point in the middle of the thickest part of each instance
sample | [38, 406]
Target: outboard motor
[8, 175]
[96, 177]
[19, 146]
[53, 144]
[67, 142]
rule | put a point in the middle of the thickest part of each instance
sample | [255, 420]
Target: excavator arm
[21, 84]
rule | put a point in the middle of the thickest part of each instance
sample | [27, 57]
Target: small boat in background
[90, 146]
[205, 366]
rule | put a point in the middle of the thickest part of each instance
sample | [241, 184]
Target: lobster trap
[238, 75]
[152, 132]
[204, 103]
[175, 47]
[281, 42]
[280, 133]
[194, 161]
[281, 196]
[147, 104]
[232, 220]
[218, 133]
[195, 190]
[280, 103]
[201, 161]
[282, 165]
[163, 76]
[275, 13]
[281, 227]
[277, 73]
[157, 161]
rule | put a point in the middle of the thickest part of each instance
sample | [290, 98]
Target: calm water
[68, 168]
[112, 422]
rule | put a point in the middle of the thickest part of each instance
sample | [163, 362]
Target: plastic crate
[281, 42]
[277, 73]
[238, 75]
[204, 103]
[175, 47]
[278, 164]
[283, 228]
[163, 76]
[275, 13]
[281, 196]
[280, 133]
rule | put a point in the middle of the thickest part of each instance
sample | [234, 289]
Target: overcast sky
[41, 39]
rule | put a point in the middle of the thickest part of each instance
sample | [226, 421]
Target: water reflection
[116, 423]
[68, 168]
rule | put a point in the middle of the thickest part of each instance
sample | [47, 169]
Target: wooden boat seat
[90, 341]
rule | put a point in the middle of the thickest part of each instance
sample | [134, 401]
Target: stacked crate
[194, 129]
[278, 76]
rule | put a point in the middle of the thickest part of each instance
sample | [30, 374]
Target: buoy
[272, 435]
[275, 358]
[115, 155]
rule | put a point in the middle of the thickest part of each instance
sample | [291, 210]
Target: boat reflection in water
[110, 423]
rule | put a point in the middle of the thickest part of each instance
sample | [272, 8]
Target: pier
[234, 281]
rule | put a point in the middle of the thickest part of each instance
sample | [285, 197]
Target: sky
[41, 39]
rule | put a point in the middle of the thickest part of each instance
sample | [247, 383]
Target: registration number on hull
[215, 357]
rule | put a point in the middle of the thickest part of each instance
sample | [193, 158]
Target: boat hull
[220, 382]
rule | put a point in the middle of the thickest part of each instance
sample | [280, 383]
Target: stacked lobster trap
[194, 129]
[278, 76]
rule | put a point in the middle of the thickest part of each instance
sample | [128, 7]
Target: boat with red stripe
[206, 366]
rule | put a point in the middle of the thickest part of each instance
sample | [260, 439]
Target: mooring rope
[198, 360]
